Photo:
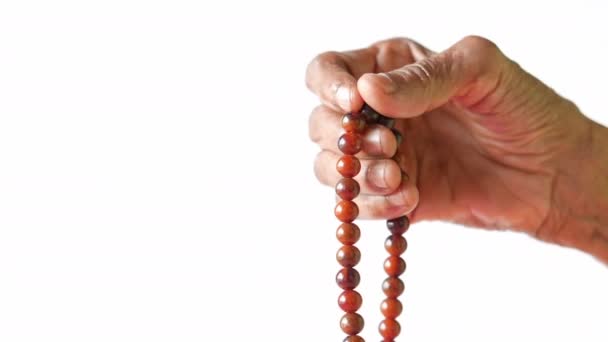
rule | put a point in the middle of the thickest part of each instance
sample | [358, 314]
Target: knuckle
[319, 167]
[480, 45]
[314, 133]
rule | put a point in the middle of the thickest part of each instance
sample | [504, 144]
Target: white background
[156, 176]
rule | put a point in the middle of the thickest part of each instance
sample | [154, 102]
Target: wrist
[580, 199]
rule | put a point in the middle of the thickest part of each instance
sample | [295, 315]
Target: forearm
[581, 196]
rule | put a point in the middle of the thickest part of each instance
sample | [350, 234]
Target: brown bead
[355, 338]
[393, 287]
[386, 121]
[347, 188]
[350, 143]
[346, 211]
[391, 308]
[398, 225]
[395, 245]
[398, 136]
[348, 166]
[348, 278]
[348, 256]
[353, 122]
[394, 266]
[348, 233]
[350, 301]
[371, 116]
[351, 323]
[389, 329]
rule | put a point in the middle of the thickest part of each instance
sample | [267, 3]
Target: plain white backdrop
[156, 176]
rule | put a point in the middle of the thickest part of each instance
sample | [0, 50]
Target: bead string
[348, 233]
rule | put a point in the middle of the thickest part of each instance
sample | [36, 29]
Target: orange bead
[391, 308]
[346, 211]
[348, 278]
[348, 233]
[348, 256]
[347, 188]
[355, 338]
[395, 245]
[353, 122]
[393, 287]
[394, 266]
[389, 329]
[350, 143]
[351, 323]
[350, 301]
[398, 225]
[348, 166]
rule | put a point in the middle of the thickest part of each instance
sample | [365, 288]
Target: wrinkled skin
[485, 143]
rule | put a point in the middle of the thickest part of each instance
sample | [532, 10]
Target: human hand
[485, 143]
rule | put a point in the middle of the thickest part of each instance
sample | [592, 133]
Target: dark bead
[386, 122]
[348, 278]
[350, 301]
[398, 225]
[350, 143]
[348, 256]
[391, 308]
[353, 122]
[355, 338]
[346, 211]
[351, 323]
[348, 166]
[389, 329]
[393, 287]
[371, 116]
[394, 266]
[395, 245]
[398, 136]
[348, 233]
[347, 188]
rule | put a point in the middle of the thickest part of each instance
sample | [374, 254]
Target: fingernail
[376, 175]
[343, 97]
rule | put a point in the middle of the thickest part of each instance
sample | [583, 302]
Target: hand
[485, 143]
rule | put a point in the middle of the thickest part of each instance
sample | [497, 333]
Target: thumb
[469, 71]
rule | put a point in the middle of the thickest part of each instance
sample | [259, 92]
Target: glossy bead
[353, 122]
[348, 166]
[394, 266]
[347, 188]
[398, 225]
[395, 245]
[351, 323]
[371, 116]
[386, 121]
[391, 308]
[346, 211]
[348, 256]
[348, 233]
[398, 136]
[350, 143]
[393, 287]
[350, 301]
[355, 338]
[389, 329]
[348, 278]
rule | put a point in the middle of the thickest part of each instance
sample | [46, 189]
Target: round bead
[351, 323]
[350, 143]
[350, 301]
[395, 245]
[348, 166]
[347, 188]
[391, 308]
[346, 211]
[348, 233]
[371, 116]
[394, 266]
[348, 278]
[398, 225]
[348, 256]
[386, 121]
[355, 338]
[393, 287]
[389, 329]
[353, 122]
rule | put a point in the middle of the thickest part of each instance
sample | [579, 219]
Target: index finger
[333, 77]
